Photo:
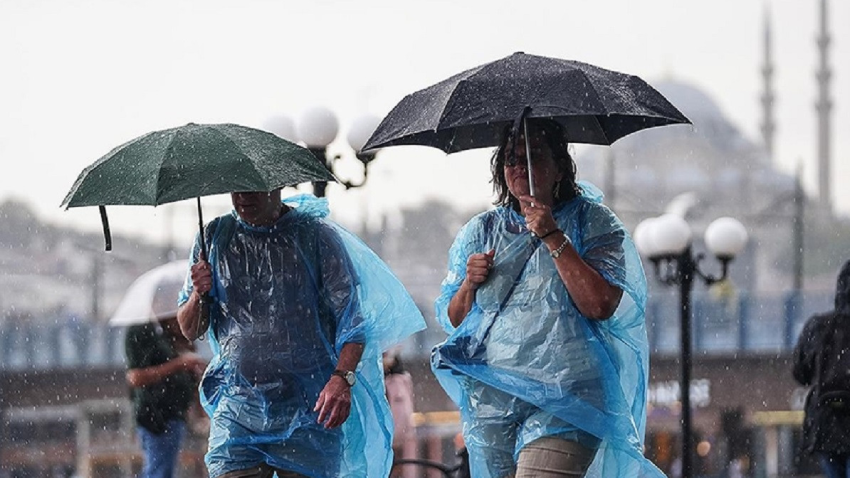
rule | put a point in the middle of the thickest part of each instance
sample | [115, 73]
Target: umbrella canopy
[473, 108]
[193, 161]
[152, 296]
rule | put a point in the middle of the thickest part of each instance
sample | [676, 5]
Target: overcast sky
[80, 77]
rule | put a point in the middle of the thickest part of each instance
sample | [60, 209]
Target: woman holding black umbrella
[544, 301]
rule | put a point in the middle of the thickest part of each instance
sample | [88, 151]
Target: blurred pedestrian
[301, 311]
[463, 454]
[162, 373]
[822, 361]
[399, 390]
[547, 356]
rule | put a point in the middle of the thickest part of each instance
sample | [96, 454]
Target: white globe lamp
[670, 235]
[361, 130]
[725, 237]
[282, 126]
[643, 237]
[317, 127]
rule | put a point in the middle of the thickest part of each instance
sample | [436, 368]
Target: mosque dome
[690, 100]
[711, 155]
[709, 122]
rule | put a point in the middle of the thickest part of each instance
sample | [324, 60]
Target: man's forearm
[193, 317]
[142, 377]
[349, 356]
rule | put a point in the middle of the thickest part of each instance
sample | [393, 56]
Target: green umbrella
[192, 161]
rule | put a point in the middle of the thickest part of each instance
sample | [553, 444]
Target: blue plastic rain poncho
[525, 363]
[287, 298]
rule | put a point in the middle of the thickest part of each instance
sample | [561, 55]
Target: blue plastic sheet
[525, 363]
[287, 298]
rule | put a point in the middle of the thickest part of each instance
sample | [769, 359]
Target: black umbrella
[471, 109]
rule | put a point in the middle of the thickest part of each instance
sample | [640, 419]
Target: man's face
[257, 208]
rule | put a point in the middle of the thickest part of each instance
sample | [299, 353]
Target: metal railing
[767, 323]
[737, 323]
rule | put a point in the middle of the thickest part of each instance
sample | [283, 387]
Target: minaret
[768, 125]
[823, 106]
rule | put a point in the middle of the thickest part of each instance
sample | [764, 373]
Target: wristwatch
[346, 375]
[557, 252]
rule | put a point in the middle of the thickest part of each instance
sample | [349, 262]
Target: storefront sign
[667, 393]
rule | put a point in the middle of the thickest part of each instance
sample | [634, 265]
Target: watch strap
[346, 375]
[557, 252]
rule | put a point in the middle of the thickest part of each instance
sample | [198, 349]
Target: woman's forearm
[461, 304]
[594, 297]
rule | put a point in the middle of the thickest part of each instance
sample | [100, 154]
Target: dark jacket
[154, 405]
[822, 361]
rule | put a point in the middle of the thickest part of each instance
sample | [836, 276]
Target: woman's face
[545, 170]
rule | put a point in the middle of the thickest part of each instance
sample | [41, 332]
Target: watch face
[348, 376]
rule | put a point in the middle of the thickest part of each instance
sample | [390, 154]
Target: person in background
[463, 454]
[399, 390]
[822, 362]
[162, 372]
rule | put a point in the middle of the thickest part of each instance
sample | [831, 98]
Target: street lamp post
[318, 127]
[666, 242]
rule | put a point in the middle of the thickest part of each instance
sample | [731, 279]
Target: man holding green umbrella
[297, 309]
[301, 312]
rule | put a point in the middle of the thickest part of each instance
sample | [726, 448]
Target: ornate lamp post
[317, 128]
[666, 242]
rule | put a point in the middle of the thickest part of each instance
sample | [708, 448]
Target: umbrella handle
[206, 300]
[201, 230]
[531, 190]
[107, 235]
[203, 316]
